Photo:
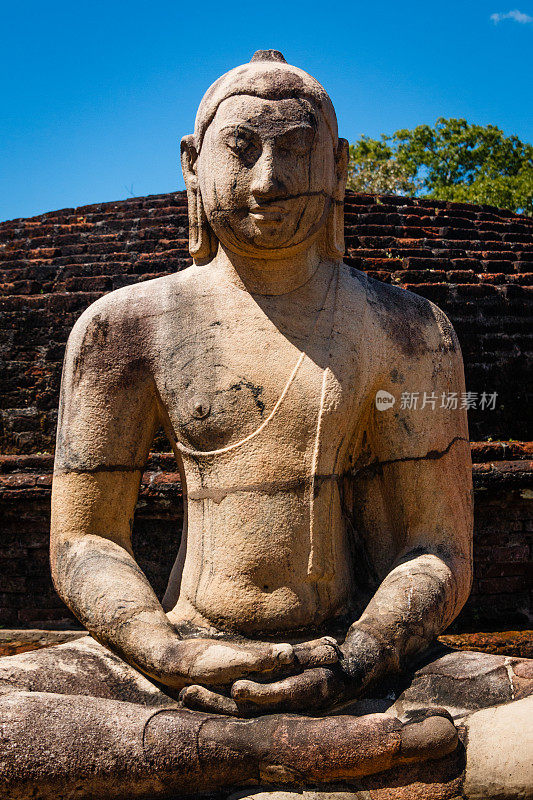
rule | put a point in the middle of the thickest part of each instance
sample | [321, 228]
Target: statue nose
[267, 182]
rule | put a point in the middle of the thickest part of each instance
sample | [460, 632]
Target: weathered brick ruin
[475, 262]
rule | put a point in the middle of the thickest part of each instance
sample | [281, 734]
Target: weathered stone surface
[328, 541]
[17, 641]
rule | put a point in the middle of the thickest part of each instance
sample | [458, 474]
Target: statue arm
[107, 419]
[416, 502]
[109, 412]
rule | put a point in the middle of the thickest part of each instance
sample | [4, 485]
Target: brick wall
[476, 262]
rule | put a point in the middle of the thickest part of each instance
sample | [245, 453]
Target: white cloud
[516, 16]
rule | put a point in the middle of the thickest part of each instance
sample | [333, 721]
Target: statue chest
[224, 384]
[281, 372]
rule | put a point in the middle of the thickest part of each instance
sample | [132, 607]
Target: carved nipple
[200, 406]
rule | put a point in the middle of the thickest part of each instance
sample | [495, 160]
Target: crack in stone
[218, 493]
[100, 468]
[508, 666]
[376, 467]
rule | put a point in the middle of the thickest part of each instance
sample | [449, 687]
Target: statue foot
[293, 750]
[496, 765]
[54, 744]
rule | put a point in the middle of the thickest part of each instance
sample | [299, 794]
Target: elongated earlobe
[202, 241]
[334, 228]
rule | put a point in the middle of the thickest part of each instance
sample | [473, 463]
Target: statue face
[266, 172]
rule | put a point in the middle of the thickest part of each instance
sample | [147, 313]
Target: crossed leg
[79, 722]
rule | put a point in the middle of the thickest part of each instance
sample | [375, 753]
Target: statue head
[265, 170]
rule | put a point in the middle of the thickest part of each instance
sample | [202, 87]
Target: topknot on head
[268, 55]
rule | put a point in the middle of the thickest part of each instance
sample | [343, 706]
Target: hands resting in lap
[249, 678]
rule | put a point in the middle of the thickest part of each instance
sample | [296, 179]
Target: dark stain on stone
[397, 377]
[403, 316]
[256, 391]
[68, 469]
[96, 336]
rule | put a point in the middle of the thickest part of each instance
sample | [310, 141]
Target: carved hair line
[270, 77]
[203, 124]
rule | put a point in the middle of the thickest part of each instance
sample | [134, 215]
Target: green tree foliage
[453, 160]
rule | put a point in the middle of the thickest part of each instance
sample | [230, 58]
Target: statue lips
[268, 213]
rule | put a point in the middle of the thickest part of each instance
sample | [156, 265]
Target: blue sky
[96, 95]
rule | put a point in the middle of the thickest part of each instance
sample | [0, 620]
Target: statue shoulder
[130, 314]
[408, 324]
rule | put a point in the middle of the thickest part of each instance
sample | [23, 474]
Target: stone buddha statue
[327, 539]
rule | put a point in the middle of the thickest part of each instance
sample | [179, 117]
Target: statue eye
[246, 146]
[296, 142]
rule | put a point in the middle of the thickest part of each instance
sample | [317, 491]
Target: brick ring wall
[475, 262]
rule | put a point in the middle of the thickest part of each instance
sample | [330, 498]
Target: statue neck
[268, 276]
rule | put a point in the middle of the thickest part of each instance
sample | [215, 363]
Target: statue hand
[313, 688]
[364, 659]
[361, 659]
[321, 652]
[217, 662]
[309, 691]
